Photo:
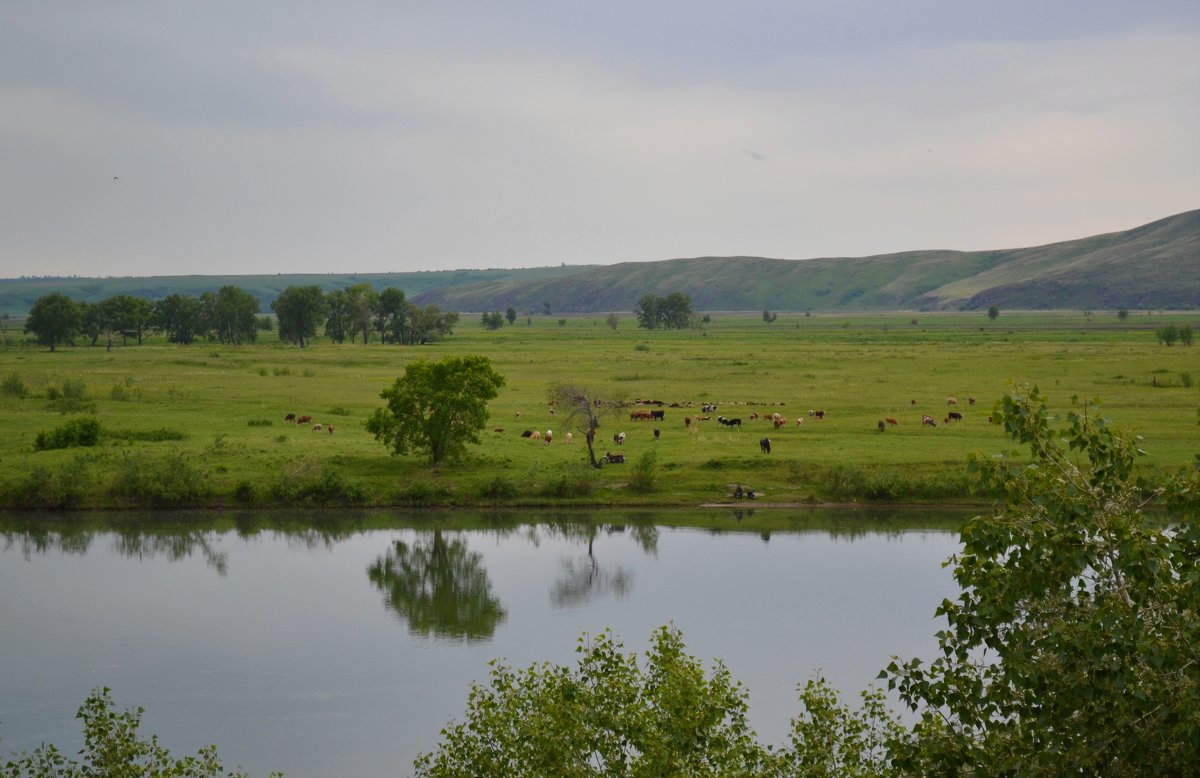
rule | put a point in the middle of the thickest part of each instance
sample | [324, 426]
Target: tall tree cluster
[231, 316]
[673, 312]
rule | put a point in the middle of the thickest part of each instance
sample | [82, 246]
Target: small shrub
[46, 489]
[73, 389]
[420, 493]
[259, 423]
[146, 436]
[282, 371]
[280, 438]
[157, 481]
[309, 372]
[499, 488]
[329, 488]
[245, 493]
[570, 482]
[641, 347]
[263, 371]
[1185, 379]
[644, 474]
[14, 386]
[76, 432]
[846, 481]
[339, 410]
[562, 322]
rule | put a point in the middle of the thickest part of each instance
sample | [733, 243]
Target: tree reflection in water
[440, 587]
[583, 578]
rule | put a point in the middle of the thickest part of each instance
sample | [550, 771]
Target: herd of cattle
[776, 420]
[298, 420]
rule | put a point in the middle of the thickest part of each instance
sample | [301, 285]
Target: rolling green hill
[1153, 266]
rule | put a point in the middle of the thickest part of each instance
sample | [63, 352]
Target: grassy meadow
[203, 425]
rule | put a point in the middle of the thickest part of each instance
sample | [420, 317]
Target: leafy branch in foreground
[614, 715]
[1073, 646]
[112, 747]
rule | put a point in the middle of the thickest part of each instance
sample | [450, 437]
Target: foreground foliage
[1073, 646]
[112, 747]
[615, 715]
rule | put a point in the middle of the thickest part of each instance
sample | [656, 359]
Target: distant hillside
[1153, 266]
[17, 295]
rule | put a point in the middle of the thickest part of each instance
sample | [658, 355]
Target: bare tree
[581, 409]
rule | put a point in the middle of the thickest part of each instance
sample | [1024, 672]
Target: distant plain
[203, 425]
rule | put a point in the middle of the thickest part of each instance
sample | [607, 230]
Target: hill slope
[1153, 266]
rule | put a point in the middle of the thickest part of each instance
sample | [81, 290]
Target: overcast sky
[241, 137]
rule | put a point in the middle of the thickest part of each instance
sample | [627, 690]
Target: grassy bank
[203, 425]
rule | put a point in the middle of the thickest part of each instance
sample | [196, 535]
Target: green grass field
[203, 425]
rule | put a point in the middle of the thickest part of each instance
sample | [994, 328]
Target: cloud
[413, 143]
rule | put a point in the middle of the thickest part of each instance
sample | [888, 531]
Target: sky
[226, 137]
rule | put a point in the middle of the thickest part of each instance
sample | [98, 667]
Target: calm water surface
[341, 645]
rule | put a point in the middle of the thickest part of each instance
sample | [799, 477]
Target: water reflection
[439, 587]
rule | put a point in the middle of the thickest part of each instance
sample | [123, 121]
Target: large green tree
[437, 407]
[234, 315]
[54, 319]
[673, 312]
[1073, 648]
[391, 315]
[132, 316]
[181, 317]
[300, 310]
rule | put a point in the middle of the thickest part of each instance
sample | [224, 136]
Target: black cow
[765, 445]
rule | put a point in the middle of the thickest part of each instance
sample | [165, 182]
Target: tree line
[231, 315]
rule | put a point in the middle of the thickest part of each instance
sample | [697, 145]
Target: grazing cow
[640, 416]
[330, 428]
[971, 400]
[765, 445]
[619, 438]
[799, 421]
[290, 417]
[951, 401]
[928, 421]
[882, 426]
[304, 420]
[535, 435]
[754, 416]
[614, 459]
[891, 421]
[656, 433]
[687, 421]
[549, 436]
[914, 402]
[658, 415]
[730, 422]
[569, 437]
[953, 416]
[779, 421]
[317, 428]
[518, 415]
[708, 408]
[527, 434]
[817, 414]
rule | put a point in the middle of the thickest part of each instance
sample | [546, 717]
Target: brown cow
[304, 420]
[330, 428]
[951, 401]
[891, 421]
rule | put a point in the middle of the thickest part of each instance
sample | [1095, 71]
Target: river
[340, 643]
